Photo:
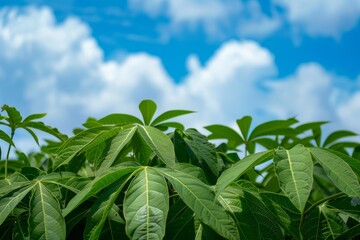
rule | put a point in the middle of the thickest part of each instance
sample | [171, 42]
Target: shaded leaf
[168, 115]
[244, 125]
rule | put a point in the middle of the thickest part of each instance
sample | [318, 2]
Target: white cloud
[71, 80]
[219, 19]
[322, 17]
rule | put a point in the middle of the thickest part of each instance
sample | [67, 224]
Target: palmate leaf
[294, 169]
[239, 168]
[45, 219]
[201, 199]
[159, 143]
[146, 205]
[11, 200]
[147, 109]
[338, 171]
[100, 211]
[99, 183]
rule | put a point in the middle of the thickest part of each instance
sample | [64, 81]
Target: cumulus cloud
[64, 74]
[322, 17]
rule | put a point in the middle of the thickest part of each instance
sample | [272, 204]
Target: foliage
[124, 177]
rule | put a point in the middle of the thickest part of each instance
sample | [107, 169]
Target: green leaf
[45, 219]
[257, 218]
[146, 205]
[6, 138]
[34, 116]
[42, 127]
[14, 115]
[75, 145]
[276, 127]
[168, 115]
[115, 147]
[119, 119]
[244, 126]
[201, 199]
[352, 233]
[174, 125]
[287, 215]
[159, 143]
[336, 136]
[147, 109]
[312, 227]
[334, 226]
[11, 200]
[294, 169]
[201, 149]
[99, 183]
[224, 132]
[338, 171]
[100, 211]
[239, 168]
[310, 126]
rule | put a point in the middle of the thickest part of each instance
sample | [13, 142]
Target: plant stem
[8, 152]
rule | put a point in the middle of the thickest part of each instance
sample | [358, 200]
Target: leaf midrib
[293, 177]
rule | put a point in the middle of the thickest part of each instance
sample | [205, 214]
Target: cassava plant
[122, 177]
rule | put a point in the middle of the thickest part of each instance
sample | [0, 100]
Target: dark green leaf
[34, 116]
[336, 136]
[119, 119]
[276, 127]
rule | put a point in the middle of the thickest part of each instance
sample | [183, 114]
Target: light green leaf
[99, 183]
[168, 115]
[294, 169]
[147, 109]
[276, 127]
[101, 210]
[336, 136]
[45, 219]
[146, 205]
[11, 200]
[239, 168]
[14, 115]
[338, 171]
[119, 119]
[201, 199]
[82, 142]
[225, 132]
[42, 127]
[244, 125]
[34, 116]
[6, 138]
[159, 143]
[116, 145]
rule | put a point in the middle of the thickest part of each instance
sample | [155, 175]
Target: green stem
[8, 152]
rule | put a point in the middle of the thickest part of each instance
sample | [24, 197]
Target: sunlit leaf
[159, 143]
[294, 169]
[168, 115]
[45, 219]
[338, 171]
[201, 199]
[147, 109]
[146, 205]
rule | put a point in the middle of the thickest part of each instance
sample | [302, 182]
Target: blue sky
[271, 59]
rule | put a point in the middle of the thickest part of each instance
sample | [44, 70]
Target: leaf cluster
[151, 178]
